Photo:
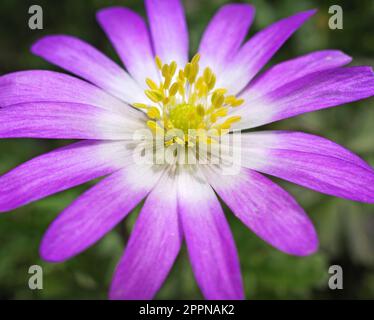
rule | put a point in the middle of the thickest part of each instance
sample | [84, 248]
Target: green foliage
[345, 228]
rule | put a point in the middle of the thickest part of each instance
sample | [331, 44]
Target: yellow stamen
[154, 95]
[218, 100]
[166, 70]
[151, 84]
[158, 62]
[187, 70]
[173, 68]
[196, 58]
[174, 89]
[208, 75]
[140, 105]
[221, 112]
[155, 128]
[212, 82]
[222, 91]
[238, 102]
[154, 113]
[200, 110]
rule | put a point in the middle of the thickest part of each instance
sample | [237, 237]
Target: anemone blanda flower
[160, 90]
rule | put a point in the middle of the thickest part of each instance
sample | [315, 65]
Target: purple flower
[163, 93]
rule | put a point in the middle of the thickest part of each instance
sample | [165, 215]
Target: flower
[180, 103]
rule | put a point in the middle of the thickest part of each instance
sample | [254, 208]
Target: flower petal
[57, 120]
[323, 168]
[130, 37]
[59, 170]
[266, 209]
[313, 92]
[224, 35]
[209, 240]
[96, 212]
[82, 59]
[291, 70]
[153, 246]
[300, 141]
[254, 54]
[46, 86]
[169, 30]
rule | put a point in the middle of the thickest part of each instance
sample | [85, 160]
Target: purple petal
[254, 55]
[47, 86]
[153, 246]
[64, 121]
[300, 141]
[82, 59]
[224, 35]
[209, 240]
[313, 92]
[59, 170]
[130, 37]
[294, 69]
[268, 210]
[323, 168]
[169, 30]
[95, 213]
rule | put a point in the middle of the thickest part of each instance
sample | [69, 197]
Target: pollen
[185, 104]
[186, 117]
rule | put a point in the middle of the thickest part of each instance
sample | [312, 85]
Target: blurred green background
[346, 229]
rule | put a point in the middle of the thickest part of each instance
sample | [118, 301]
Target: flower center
[186, 117]
[185, 106]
